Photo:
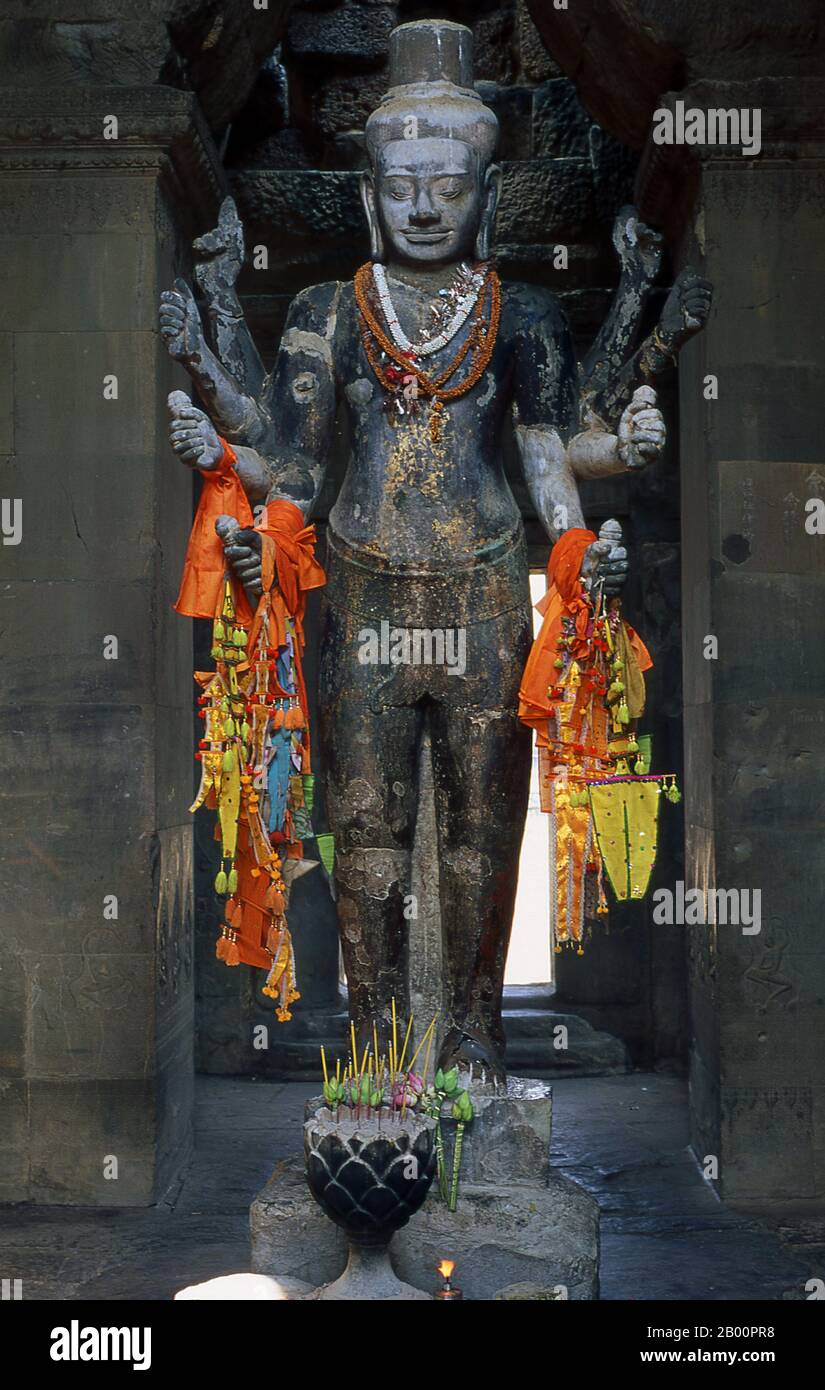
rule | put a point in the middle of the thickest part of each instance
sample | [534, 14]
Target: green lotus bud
[439, 1080]
[451, 1080]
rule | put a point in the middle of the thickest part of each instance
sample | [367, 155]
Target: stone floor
[664, 1234]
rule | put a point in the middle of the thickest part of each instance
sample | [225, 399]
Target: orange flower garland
[479, 342]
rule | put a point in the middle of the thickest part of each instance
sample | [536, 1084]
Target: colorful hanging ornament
[583, 691]
[254, 750]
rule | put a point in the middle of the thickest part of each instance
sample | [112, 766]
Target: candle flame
[446, 1268]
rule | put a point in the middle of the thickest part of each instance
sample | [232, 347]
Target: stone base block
[499, 1236]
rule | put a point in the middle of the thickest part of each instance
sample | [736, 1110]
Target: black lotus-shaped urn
[369, 1177]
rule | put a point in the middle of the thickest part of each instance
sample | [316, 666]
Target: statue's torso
[411, 502]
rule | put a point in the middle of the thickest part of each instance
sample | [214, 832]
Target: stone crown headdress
[431, 80]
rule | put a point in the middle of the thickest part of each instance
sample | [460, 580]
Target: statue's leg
[481, 770]
[369, 741]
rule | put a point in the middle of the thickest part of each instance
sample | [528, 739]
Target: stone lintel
[160, 130]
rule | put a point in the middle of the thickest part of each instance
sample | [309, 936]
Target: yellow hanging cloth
[625, 819]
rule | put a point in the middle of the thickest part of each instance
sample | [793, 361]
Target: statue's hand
[180, 323]
[242, 549]
[221, 254]
[192, 434]
[639, 247]
[642, 431]
[607, 564]
[686, 308]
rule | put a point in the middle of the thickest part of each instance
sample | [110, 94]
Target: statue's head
[432, 189]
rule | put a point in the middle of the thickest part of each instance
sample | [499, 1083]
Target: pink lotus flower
[407, 1090]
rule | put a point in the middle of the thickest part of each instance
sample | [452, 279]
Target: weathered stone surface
[353, 34]
[513, 106]
[94, 803]
[535, 60]
[502, 1235]
[544, 200]
[533, 1036]
[343, 103]
[214, 46]
[526, 1292]
[755, 817]
[287, 208]
[493, 46]
[561, 126]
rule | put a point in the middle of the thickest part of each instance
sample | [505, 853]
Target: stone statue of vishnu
[425, 354]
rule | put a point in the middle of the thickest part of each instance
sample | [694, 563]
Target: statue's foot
[474, 1051]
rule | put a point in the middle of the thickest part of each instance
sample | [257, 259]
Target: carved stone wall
[97, 964]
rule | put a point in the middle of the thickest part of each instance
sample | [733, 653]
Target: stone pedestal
[518, 1222]
[96, 719]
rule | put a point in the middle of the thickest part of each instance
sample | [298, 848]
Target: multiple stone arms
[221, 254]
[553, 457]
[235, 414]
[639, 249]
[684, 314]
[284, 452]
[608, 375]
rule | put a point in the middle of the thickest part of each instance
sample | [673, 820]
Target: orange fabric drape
[205, 566]
[290, 557]
[563, 597]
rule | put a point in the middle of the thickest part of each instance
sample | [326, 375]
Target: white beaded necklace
[465, 306]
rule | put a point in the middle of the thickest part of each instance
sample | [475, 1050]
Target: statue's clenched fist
[686, 308]
[242, 548]
[641, 430]
[192, 434]
[605, 561]
[180, 323]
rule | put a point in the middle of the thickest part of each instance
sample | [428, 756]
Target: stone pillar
[96, 1009]
[755, 579]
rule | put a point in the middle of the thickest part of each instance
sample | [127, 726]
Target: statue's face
[428, 200]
